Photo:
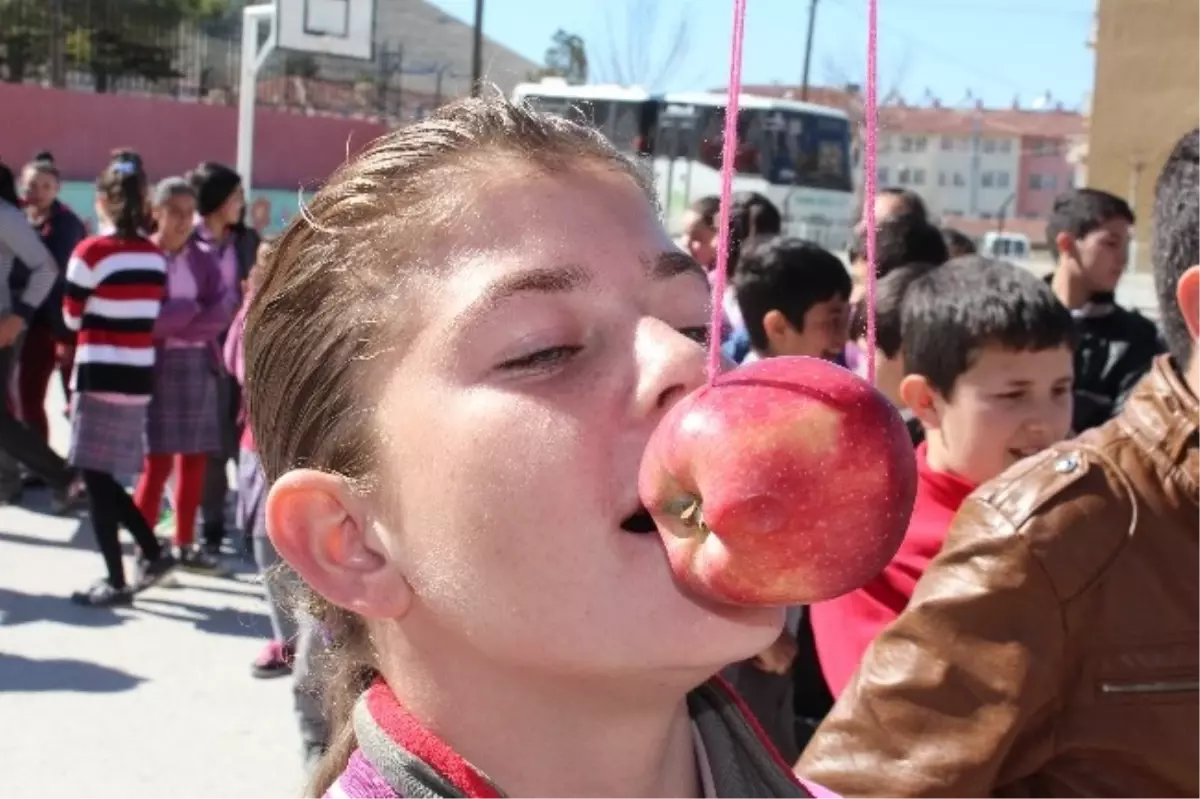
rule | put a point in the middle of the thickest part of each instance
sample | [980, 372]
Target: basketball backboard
[327, 27]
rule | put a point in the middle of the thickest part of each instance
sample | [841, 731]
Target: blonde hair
[325, 306]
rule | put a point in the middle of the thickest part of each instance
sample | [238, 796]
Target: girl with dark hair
[182, 425]
[220, 206]
[115, 285]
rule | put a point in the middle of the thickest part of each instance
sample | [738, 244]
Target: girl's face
[514, 428]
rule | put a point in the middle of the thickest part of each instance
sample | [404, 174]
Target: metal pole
[976, 130]
[808, 46]
[477, 50]
[253, 58]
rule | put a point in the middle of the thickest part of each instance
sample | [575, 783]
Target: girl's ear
[320, 527]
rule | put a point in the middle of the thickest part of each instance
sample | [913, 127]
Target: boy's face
[1103, 254]
[1007, 406]
[826, 325]
[699, 240]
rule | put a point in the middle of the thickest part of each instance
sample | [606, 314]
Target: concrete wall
[1147, 95]
[81, 129]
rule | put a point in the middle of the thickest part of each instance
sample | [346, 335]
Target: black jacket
[1116, 347]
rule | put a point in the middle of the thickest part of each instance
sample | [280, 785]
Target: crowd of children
[444, 567]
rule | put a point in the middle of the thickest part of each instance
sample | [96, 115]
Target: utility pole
[976, 131]
[477, 50]
[808, 46]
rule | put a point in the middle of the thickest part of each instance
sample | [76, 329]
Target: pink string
[728, 156]
[869, 183]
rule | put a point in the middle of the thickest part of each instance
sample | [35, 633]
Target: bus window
[822, 147]
[751, 138]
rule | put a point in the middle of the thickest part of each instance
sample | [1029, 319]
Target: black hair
[786, 275]
[909, 199]
[751, 216]
[122, 190]
[1078, 212]
[902, 239]
[214, 184]
[952, 312]
[44, 155]
[707, 208]
[1177, 239]
[958, 243]
[890, 292]
[8, 186]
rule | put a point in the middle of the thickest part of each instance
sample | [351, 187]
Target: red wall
[81, 129]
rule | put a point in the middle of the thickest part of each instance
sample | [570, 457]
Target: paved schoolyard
[151, 701]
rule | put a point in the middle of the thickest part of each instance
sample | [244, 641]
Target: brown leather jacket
[1051, 649]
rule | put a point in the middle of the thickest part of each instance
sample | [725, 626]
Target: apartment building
[979, 163]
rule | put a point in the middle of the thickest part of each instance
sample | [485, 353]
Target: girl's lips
[639, 522]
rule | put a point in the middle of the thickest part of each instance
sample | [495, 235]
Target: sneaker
[152, 572]
[11, 492]
[69, 498]
[198, 561]
[103, 594]
[34, 481]
[166, 522]
[275, 660]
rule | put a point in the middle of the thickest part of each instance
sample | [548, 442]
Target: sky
[996, 50]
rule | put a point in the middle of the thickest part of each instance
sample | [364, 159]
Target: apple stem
[693, 516]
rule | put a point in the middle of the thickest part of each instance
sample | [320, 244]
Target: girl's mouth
[639, 522]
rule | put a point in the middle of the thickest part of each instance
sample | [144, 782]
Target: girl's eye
[1011, 396]
[542, 358]
[696, 334]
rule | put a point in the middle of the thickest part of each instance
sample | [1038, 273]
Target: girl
[181, 426]
[454, 362]
[220, 205]
[113, 294]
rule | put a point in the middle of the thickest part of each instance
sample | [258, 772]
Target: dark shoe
[275, 660]
[11, 492]
[34, 481]
[151, 572]
[199, 561]
[103, 594]
[68, 498]
[213, 536]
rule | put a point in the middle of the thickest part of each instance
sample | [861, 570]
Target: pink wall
[1048, 159]
[81, 129]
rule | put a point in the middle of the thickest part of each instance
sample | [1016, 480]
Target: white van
[1005, 246]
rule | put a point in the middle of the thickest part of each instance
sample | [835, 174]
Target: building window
[988, 180]
[1002, 180]
[904, 178]
[882, 175]
[959, 180]
[1035, 182]
[918, 177]
[906, 144]
[885, 144]
[989, 145]
[1005, 145]
[941, 178]
[920, 144]
[947, 143]
[1043, 182]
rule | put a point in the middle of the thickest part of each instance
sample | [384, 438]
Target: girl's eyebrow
[669, 263]
[546, 280]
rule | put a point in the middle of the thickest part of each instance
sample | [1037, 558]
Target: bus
[797, 154]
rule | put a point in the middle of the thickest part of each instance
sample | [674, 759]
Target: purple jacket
[201, 320]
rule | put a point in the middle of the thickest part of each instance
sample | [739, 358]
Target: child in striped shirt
[114, 290]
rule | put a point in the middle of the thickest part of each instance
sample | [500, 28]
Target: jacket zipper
[1160, 687]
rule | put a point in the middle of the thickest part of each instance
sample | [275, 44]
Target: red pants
[41, 353]
[189, 486]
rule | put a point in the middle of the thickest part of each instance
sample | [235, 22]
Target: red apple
[788, 481]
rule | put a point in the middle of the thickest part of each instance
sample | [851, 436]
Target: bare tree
[841, 71]
[642, 46]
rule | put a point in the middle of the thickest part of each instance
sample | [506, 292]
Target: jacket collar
[1162, 413]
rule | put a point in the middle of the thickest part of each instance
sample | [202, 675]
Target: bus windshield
[795, 148]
